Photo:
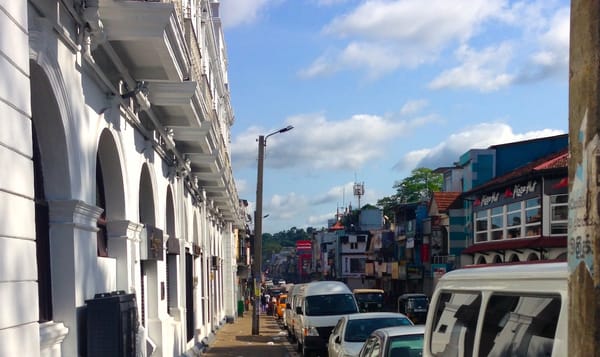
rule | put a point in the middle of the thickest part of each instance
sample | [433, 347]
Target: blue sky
[377, 88]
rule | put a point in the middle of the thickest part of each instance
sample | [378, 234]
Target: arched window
[532, 257]
[514, 258]
[42, 235]
[481, 260]
[497, 259]
[102, 235]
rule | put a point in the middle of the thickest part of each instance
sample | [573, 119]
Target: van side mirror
[337, 339]
[298, 310]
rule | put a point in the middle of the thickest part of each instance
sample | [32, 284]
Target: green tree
[419, 186]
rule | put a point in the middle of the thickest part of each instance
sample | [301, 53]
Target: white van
[290, 310]
[511, 310]
[320, 305]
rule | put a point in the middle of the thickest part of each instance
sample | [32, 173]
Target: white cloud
[329, 2]
[241, 185]
[318, 143]
[318, 221]
[411, 22]
[338, 194]
[376, 59]
[284, 207]
[413, 106]
[480, 136]
[381, 36]
[484, 70]
[552, 56]
[386, 35]
[241, 12]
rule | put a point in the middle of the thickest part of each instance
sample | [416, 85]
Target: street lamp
[258, 216]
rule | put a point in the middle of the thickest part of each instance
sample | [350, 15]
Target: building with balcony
[115, 141]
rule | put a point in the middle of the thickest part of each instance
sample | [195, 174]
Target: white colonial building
[120, 221]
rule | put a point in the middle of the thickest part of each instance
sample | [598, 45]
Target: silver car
[351, 331]
[399, 341]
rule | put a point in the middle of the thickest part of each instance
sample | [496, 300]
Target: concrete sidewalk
[236, 339]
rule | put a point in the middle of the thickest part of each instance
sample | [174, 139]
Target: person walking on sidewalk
[263, 303]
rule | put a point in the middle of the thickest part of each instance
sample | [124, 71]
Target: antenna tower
[359, 191]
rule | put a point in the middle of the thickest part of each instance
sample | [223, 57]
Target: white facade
[116, 172]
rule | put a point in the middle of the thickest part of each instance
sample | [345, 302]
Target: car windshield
[410, 345]
[334, 304]
[359, 329]
[369, 297]
[418, 303]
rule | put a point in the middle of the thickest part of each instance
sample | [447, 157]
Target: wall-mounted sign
[152, 243]
[514, 193]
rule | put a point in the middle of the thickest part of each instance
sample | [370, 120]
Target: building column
[74, 268]
[123, 245]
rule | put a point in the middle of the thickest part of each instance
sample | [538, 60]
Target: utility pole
[258, 217]
[258, 236]
[584, 179]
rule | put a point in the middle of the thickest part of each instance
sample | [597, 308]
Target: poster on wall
[402, 270]
[414, 272]
[395, 270]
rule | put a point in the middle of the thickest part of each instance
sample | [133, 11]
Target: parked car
[513, 310]
[397, 341]
[351, 331]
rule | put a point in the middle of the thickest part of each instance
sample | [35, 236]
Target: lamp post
[262, 143]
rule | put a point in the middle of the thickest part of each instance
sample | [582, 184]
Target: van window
[516, 325]
[334, 304]
[454, 324]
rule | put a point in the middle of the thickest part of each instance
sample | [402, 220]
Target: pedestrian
[267, 301]
[263, 303]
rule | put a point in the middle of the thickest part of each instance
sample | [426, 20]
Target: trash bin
[241, 308]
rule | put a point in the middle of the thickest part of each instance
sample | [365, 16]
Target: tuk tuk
[415, 306]
[369, 300]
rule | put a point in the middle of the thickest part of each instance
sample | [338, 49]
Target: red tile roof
[445, 200]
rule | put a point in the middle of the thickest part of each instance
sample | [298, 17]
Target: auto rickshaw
[415, 306]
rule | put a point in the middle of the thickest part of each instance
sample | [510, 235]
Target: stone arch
[147, 210]
[49, 117]
[514, 258]
[170, 223]
[497, 259]
[48, 113]
[481, 260]
[52, 110]
[148, 269]
[110, 162]
[172, 257]
[532, 257]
